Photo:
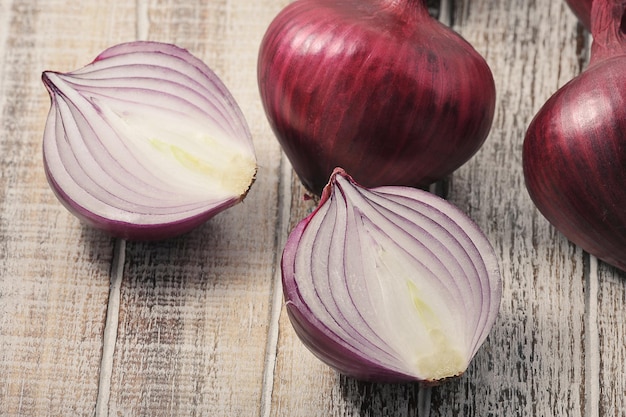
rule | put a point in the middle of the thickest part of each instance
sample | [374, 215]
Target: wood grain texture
[54, 274]
[200, 328]
[532, 48]
[533, 362]
[195, 310]
[611, 327]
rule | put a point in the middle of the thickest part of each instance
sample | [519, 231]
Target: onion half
[390, 283]
[146, 142]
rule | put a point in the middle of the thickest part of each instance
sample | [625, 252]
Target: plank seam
[592, 336]
[284, 210]
[143, 20]
[592, 340]
[110, 329]
[445, 13]
[117, 272]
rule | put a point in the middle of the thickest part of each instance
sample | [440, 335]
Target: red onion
[378, 87]
[574, 152]
[391, 283]
[582, 10]
[145, 142]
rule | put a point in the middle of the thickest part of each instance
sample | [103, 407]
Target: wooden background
[195, 326]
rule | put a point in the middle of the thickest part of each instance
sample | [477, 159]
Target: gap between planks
[110, 329]
[109, 338]
[592, 330]
[282, 232]
[592, 340]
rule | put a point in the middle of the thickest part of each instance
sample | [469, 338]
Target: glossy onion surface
[378, 87]
[390, 284]
[574, 152]
[145, 142]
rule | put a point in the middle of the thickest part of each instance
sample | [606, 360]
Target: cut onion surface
[391, 283]
[146, 142]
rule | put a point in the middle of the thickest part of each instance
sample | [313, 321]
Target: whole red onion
[575, 148]
[378, 87]
[582, 10]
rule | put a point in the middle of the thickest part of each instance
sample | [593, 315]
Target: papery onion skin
[378, 87]
[325, 343]
[574, 153]
[94, 148]
[582, 10]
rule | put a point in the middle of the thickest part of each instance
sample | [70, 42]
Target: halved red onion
[390, 283]
[146, 142]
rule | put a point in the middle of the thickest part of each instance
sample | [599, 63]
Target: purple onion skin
[574, 153]
[378, 87]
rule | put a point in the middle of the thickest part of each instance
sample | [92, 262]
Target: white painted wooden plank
[532, 362]
[194, 317]
[611, 328]
[53, 272]
[111, 325]
[282, 231]
[592, 341]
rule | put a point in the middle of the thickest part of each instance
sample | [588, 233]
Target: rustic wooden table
[195, 325]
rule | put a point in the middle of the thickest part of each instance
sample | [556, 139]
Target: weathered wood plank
[532, 362]
[199, 330]
[611, 328]
[195, 310]
[608, 324]
[54, 274]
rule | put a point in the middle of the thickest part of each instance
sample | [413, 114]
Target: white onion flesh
[146, 142]
[390, 283]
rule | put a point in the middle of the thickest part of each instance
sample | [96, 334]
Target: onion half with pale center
[146, 142]
[390, 283]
